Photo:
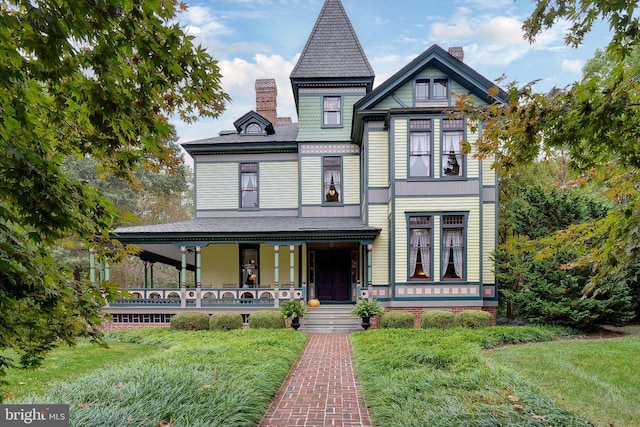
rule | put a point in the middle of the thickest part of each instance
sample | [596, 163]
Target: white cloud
[574, 66]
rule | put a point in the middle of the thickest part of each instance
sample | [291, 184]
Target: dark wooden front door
[333, 275]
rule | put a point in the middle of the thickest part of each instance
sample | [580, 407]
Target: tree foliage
[595, 122]
[85, 78]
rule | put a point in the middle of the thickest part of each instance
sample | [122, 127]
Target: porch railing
[207, 297]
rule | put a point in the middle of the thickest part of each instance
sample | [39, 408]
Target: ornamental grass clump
[437, 319]
[266, 319]
[397, 319]
[474, 319]
[190, 321]
[225, 321]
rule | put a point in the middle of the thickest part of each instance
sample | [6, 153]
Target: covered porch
[249, 263]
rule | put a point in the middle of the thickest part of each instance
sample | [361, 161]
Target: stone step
[330, 319]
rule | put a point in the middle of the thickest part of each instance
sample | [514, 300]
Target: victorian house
[369, 194]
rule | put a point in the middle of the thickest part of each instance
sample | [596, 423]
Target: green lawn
[409, 377]
[66, 363]
[599, 379]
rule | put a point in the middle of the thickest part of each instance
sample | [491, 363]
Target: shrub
[474, 319]
[437, 319]
[190, 321]
[367, 308]
[225, 321]
[266, 319]
[397, 319]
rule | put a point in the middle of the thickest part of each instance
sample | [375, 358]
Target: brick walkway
[321, 389]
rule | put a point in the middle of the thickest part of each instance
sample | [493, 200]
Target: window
[332, 178]
[253, 128]
[420, 248]
[422, 89]
[249, 265]
[440, 89]
[452, 157]
[332, 111]
[249, 185]
[426, 90]
[420, 148]
[453, 247]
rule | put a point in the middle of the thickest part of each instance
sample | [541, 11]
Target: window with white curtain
[420, 148]
[331, 111]
[452, 156]
[453, 240]
[420, 248]
[332, 179]
[248, 185]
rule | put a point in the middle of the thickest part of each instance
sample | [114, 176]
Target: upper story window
[452, 156]
[248, 185]
[429, 90]
[420, 148]
[332, 179]
[453, 237]
[420, 247]
[332, 111]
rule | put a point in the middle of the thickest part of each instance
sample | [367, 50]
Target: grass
[597, 378]
[67, 363]
[441, 378]
[202, 378]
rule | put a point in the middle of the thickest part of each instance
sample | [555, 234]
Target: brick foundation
[113, 327]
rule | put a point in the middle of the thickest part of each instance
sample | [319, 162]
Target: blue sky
[255, 39]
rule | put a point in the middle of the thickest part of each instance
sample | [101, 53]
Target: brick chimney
[266, 94]
[457, 52]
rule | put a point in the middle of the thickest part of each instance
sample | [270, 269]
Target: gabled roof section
[436, 57]
[333, 49]
[253, 118]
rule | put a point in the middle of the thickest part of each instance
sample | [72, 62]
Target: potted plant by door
[294, 309]
[365, 309]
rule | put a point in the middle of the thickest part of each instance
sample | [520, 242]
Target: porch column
[151, 264]
[92, 265]
[146, 274]
[183, 277]
[292, 276]
[369, 271]
[198, 275]
[276, 276]
[107, 272]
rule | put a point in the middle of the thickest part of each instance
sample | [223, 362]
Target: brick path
[321, 389]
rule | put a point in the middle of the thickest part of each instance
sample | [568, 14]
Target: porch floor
[322, 389]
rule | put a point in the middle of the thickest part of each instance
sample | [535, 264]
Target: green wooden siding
[400, 148]
[378, 158]
[351, 179]
[311, 180]
[278, 185]
[379, 217]
[310, 119]
[217, 186]
[488, 242]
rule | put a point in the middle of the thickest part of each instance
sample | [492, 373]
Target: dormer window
[253, 128]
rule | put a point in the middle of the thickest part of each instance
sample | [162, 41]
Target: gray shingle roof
[283, 133]
[333, 49]
[260, 227]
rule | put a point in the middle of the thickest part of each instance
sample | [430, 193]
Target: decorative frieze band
[329, 149]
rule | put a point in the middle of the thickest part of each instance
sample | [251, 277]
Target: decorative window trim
[332, 163]
[420, 247]
[429, 91]
[332, 107]
[452, 158]
[453, 226]
[248, 184]
[419, 148]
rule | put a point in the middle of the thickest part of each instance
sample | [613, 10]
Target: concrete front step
[330, 319]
